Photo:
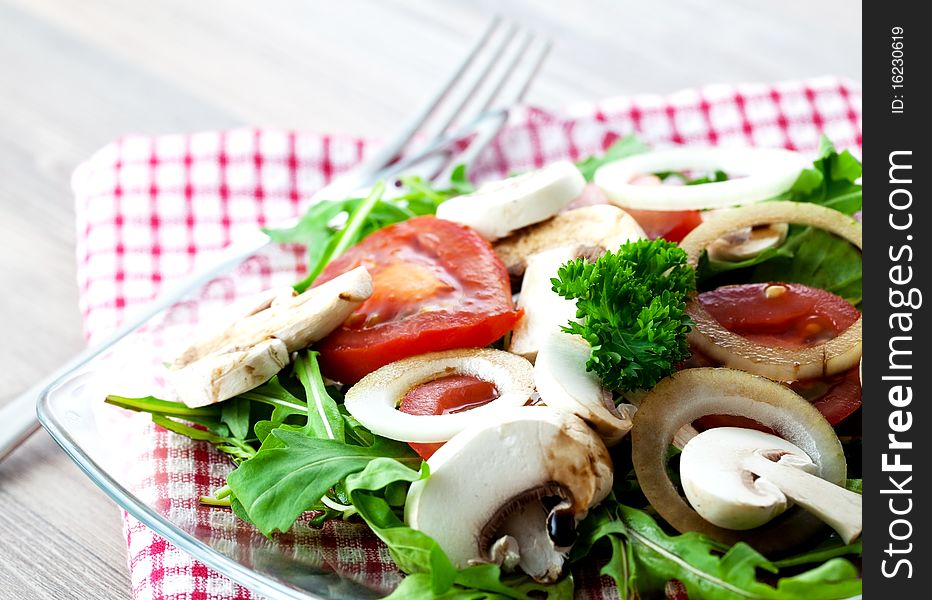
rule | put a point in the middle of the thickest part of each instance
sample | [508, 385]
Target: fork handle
[18, 419]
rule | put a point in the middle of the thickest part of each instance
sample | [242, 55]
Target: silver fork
[498, 59]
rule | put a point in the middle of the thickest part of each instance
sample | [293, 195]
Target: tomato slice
[450, 394]
[794, 317]
[437, 285]
[789, 315]
[669, 225]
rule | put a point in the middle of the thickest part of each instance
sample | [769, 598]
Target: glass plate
[95, 436]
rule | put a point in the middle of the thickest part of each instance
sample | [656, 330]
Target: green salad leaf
[644, 558]
[621, 148]
[328, 228]
[632, 305]
[430, 572]
[280, 483]
[809, 255]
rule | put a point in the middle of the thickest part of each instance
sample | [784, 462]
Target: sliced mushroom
[296, 320]
[604, 226]
[545, 311]
[747, 242]
[531, 476]
[500, 207]
[218, 377]
[742, 478]
[563, 382]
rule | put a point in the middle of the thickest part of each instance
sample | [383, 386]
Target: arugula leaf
[621, 148]
[644, 558]
[412, 550]
[483, 582]
[809, 255]
[280, 483]
[632, 303]
[716, 177]
[320, 230]
[832, 548]
[235, 413]
[169, 415]
[323, 416]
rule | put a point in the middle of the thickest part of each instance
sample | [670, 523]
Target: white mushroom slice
[563, 382]
[545, 311]
[500, 207]
[218, 377]
[375, 398]
[747, 242]
[742, 478]
[602, 226]
[297, 321]
[531, 474]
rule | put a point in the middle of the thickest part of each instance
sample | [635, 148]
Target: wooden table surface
[74, 75]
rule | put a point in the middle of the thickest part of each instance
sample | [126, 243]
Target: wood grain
[74, 75]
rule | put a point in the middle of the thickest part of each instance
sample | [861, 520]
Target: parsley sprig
[632, 305]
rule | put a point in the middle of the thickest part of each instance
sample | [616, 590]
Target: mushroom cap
[479, 477]
[544, 310]
[563, 382]
[747, 242]
[723, 490]
[602, 225]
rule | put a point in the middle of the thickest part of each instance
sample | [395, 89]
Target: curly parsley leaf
[632, 305]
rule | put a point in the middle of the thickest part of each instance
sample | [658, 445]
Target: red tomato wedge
[450, 394]
[669, 225]
[795, 316]
[437, 285]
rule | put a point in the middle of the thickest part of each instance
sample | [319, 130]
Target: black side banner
[896, 372]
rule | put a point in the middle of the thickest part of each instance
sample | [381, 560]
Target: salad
[647, 361]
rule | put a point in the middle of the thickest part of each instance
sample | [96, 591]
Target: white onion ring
[375, 398]
[690, 394]
[766, 173]
[732, 350]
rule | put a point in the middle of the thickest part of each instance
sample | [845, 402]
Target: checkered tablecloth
[149, 207]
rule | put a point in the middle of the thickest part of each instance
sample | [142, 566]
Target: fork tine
[388, 153]
[490, 128]
[495, 87]
[461, 99]
[436, 160]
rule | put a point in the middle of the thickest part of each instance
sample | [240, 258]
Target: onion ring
[768, 173]
[375, 398]
[690, 394]
[732, 350]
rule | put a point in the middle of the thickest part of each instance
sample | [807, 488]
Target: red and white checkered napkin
[146, 207]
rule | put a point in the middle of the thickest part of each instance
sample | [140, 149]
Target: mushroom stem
[833, 504]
